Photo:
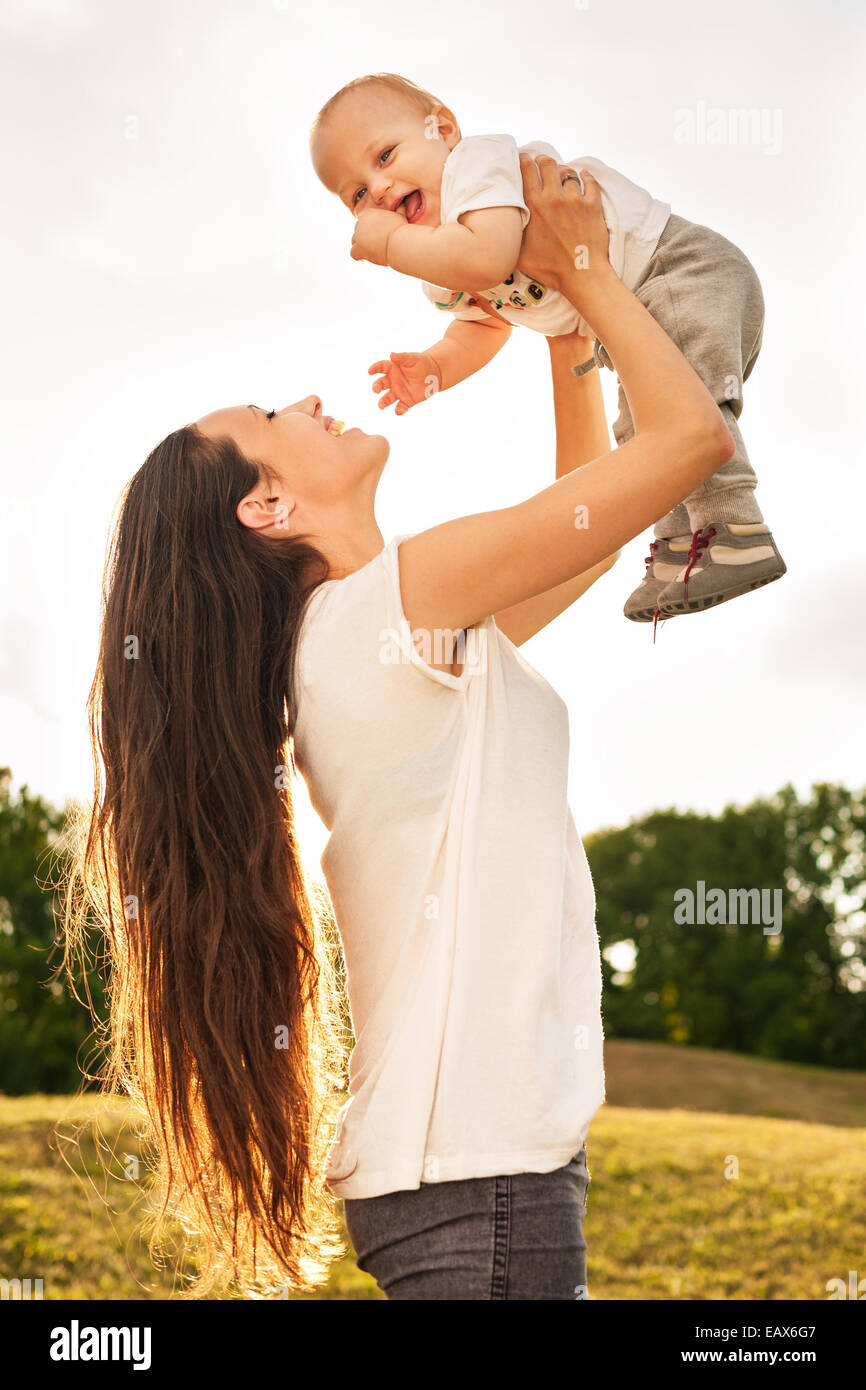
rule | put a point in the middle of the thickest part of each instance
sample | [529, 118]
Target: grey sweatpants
[707, 297]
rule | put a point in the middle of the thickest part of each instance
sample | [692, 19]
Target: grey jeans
[519, 1236]
[706, 295]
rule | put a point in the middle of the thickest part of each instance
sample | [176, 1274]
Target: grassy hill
[659, 1076]
[663, 1219]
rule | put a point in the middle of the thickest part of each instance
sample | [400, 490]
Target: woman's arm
[459, 573]
[581, 435]
[578, 406]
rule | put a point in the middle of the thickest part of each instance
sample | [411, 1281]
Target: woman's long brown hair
[225, 1025]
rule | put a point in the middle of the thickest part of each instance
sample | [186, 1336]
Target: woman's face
[309, 471]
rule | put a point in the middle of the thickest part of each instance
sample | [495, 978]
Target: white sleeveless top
[462, 894]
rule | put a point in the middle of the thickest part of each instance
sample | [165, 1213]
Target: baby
[449, 211]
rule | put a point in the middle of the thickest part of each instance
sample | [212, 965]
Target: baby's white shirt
[483, 171]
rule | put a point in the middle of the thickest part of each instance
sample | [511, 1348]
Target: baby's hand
[407, 378]
[370, 237]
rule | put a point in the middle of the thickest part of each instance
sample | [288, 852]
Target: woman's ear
[260, 514]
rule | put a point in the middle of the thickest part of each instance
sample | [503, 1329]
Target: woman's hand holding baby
[566, 230]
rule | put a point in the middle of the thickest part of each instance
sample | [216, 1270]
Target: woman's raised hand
[566, 230]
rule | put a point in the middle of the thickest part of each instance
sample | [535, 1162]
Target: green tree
[799, 995]
[44, 1030]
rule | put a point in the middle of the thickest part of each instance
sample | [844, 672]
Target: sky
[167, 249]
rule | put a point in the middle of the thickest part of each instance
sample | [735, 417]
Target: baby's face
[376, 151]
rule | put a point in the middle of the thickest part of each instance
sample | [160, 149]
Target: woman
[251, 598]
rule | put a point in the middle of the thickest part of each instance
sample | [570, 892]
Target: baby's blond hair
[412, 94]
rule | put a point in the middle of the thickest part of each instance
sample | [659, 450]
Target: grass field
[663, 1219]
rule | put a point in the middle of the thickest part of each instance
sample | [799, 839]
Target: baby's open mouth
[414, 205]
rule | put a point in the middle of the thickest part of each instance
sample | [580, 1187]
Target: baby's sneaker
[725, 559]
[664, 563]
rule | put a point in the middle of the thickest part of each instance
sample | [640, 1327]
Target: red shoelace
[700, 541]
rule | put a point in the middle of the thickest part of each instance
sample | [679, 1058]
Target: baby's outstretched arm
[410, 377]
[481, 249]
